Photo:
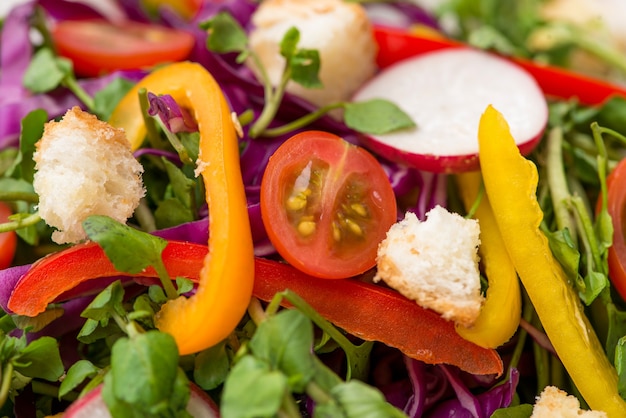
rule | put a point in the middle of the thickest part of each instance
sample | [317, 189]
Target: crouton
[435, 263]
[340, 31]
[84, 167]
[556, 403]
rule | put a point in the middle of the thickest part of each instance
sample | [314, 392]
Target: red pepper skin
[58, 273]
[395, 45]
[368, 311]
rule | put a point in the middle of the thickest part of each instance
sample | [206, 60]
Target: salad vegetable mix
[243, 282]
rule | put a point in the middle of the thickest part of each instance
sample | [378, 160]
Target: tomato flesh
[326, 205]
[97, 47]
[8, 240]
[616, 206]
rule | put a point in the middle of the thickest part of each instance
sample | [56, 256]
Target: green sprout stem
[29, 220]
[302, 121]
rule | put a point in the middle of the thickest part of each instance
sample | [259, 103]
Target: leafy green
[376, 116]
[76, 374]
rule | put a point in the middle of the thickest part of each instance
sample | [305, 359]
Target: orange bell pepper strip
[227, 276]
[365, 310]
[501, 312]
[511, 183]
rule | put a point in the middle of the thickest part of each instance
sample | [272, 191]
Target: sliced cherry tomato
[616, 206]
[98, 46]
[326, 205]
[8, 240]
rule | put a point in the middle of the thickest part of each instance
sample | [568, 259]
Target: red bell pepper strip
[396, 45]
[365, 310]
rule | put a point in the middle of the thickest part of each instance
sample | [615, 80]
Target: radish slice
[445, 92]
[92, 405]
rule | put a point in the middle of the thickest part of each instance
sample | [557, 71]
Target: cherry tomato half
[8, 240]
[616, 196]
[98, 46]
[326, 205]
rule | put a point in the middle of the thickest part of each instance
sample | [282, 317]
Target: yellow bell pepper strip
[500, 314]
[227, 278]
[511, 182]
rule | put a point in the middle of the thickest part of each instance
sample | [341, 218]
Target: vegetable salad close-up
[312, 208]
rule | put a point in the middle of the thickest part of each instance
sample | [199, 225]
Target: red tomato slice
[98, 46]
[326, 205]
[616, 195]
[8, 240]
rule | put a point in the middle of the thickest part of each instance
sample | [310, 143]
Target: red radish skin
[92, 405]
[445, 92]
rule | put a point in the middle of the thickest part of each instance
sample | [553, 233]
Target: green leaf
[289, 43]
[520, 411]
[211, 367]
[565, 251]
[305, 66]
[171, 212]
[40, 359]
[106, 99]
[144, 370]
[32, 131]
[285, 341]
[359, 400]
[46, 71]
[76, 374]
[225, 34]
[181, 185]
[106, 304]
[252, 390]
[37, 323]
[183, 285]
[376, 116]
[129, 250]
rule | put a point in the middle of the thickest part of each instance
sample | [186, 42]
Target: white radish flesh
[445, 92]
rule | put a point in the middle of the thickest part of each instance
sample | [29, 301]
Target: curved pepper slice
[227, 276]
[500, 314]
[368, 311]
[511, 183]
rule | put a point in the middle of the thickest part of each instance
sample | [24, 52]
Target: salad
[191, 226]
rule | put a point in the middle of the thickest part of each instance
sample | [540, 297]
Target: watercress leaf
[595, 282]
[171, 212]
[285, 341]
[225, 34]
[32, 130]
[40, 359]
[106, 99]
[360, 400]
[612, 114]
[93, 331]
[289, 43]
[182, 186]
[129, 250]
[37, 323]
[305, 66]
[183, 285]
[620, 365]
[252, 390]
[565, 251]
[180, 395]
[107, 303]
[519, 411]
[46, 71]
[144, 368]
[376, 116]
[211, 367]
[76, 374]
[156, 294]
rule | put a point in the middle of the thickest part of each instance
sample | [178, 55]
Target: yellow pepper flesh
[500, 314]
[227, 277]
[511, 183]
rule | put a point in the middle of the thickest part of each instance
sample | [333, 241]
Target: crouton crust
[556, 403]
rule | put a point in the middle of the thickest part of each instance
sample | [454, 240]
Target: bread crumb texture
[435, 263]
[84, 167]
[556, 403]
[340, 31]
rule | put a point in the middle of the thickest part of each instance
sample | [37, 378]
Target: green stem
[272, 102]
[315, 392]
[22, 223]
[145, 217]
[527, 314]
[611, 56]
[557, 181]
[71, 83]
[289, 408]
[7, 377]
[303, 121]
[12, 196]
[165, 279]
